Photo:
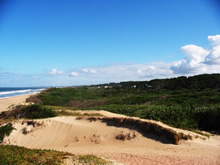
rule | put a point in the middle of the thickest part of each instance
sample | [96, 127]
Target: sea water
[6, 92]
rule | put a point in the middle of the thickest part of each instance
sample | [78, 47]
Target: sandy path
[6, 102]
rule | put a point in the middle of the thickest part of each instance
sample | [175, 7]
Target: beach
[6, 102]
[84, 135]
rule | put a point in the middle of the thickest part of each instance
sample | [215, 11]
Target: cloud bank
[87, 70]
[197, 60]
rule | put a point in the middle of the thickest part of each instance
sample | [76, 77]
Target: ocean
[6, 92]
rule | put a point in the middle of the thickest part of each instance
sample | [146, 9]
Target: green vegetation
[33, 111]
[36, 111]
[5, 131]
[93, 160]
[19, 155]
[189, 103]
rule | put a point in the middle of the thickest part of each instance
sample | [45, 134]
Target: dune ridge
[118, 137]
[90, 135]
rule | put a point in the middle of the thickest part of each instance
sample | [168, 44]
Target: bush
[209, 118]
[178, 116]
[36, 111]
[5, 131]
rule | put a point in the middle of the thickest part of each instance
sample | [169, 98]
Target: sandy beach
[6, 102]
[78, 135]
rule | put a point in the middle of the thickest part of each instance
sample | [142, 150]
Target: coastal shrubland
[189, 103]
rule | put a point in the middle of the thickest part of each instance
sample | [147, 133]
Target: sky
[82, 42]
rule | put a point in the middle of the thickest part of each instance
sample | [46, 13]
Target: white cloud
[199, 60]
[55, 72]
[139, 71]
[194, 54]
[127, 72]
[214, 40]
[214, 56]
[92, 71]
[74, 74]
[87, 70]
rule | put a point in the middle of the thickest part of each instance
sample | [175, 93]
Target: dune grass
[92, 160]
[19, 155]
[72, 113]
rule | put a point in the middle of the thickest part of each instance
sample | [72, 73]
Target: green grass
[19, 155]
[22, 156]
[92, 160]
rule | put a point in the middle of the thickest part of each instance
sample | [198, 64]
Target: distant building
[107, 86]
[148, 86]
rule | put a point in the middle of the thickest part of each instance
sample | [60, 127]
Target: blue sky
[75, 42]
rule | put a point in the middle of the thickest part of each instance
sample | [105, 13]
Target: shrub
[34, 99]
[36, 111]
[209, 119]
[5, 131]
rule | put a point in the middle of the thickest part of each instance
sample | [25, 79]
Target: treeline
[204, 81]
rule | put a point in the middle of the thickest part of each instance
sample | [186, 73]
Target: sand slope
[95, 137]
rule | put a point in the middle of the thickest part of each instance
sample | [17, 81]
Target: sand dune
[104, 136]
[82, 136]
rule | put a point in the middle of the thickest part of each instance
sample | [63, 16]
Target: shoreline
[12, 92]
[6, 102]
[8, 97]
